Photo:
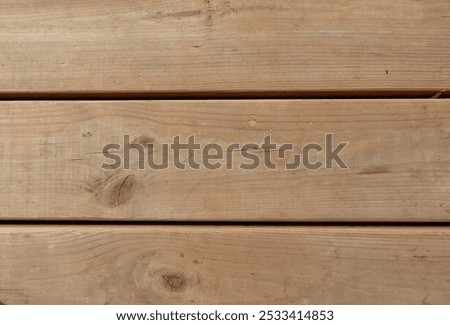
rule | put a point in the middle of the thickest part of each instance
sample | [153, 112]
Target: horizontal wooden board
[397, 157]
[223, 265]
[223, 46]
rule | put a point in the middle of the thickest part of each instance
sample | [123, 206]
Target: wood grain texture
[398, 159]
[207, 46]
[223, 265]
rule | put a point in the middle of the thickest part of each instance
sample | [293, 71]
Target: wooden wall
[77, 75]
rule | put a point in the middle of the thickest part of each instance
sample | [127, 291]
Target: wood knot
[174, 282]
[252, 122]
[144, 141]
[117, 192]
[156, 281]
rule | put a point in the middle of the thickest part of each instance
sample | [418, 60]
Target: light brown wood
[223, 265]
[398, 159]
[224, 46]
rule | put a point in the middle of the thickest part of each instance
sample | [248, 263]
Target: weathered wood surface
[223, 46]
[221, 265]
[398, 159]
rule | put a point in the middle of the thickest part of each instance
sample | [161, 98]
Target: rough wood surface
[222, 265]
[200, 46]
[398, 159]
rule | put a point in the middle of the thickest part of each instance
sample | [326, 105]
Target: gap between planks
[225, 224]
[230, 95]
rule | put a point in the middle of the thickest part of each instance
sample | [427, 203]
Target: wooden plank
[397, 157]
[224, 265]
[223, 46]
